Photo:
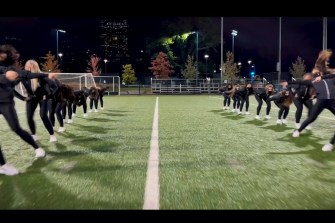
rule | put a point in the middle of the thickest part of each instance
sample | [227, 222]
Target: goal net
[76, 80]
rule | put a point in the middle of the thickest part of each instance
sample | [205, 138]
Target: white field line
[151, 195]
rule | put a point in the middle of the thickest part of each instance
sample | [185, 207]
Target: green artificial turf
[209, 159]
[215, 159]
[100, 162]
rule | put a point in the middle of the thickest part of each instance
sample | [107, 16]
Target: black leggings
[260, 103]
[101, 101]
[282, 110]
[67, 106]
[226, 100]
[9, 113]
[246, 100]
[2, 158]
[52, 110]
[236, 102]
[299, 103]
[75, 108]
[317, 109]
[31, 107]
[95, 103]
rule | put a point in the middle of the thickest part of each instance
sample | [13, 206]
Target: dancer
[325, 90]
[43, 90]
[101, 91]
[283, 100]
[261, 95]
[226, 91]
[243, 95]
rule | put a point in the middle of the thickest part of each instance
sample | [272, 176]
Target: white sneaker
[61, 129]
[227, 108]
[70, 121]
[247, 113]
[85, 115]
[233, 110]
[39, 153]
[90, 110]
[239, 112]
[257, 117]
[328, 147]
[267, 117]
[53, 138]
[297, 125]
[34, 137]
[284, 121]
[102, 108]
[73, 114]
[309, 127]
[279, 121]
[8, 170]
[296, 134]
[95, 110]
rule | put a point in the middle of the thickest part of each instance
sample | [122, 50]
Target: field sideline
[208, 159]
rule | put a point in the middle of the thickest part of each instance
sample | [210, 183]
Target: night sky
[257, 37]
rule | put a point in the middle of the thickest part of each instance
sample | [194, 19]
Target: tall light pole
[233, 34]
[62, 31]
[324, 39]
[60, 60]
[105, 60]
[196, 49]
[206, 57]
[221, 70]
[279, 53]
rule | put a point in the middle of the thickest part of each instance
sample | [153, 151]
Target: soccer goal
[80, 80]
[77, 80]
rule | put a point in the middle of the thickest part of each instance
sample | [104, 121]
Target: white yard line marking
[276, 108]
[151, 195]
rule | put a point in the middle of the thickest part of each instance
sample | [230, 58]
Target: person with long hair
[226, 91]
[244, 94]
[43, 90]
[261, 95]
[325, 91]
[283, 100]
[101, 92]
[9, 77]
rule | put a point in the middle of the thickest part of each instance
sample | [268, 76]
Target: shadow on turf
[91, 128]
[277, 128]
[232, 116]
[255, 122]
[217, 111]
[34, 190]
[306, 139]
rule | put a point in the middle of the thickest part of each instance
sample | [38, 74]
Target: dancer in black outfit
[235, 97]
[261, 95]
[94, 96]
[283, 100]
[243, 94]
[9, 77]
[43, 90]
[101, 91]
[226, 91]
[303, 95]
[80, 100]
[325, 90]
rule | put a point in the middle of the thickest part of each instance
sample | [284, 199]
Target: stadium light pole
[221, 70]
[105, 60]
[62, 31]
[206, 57]
[279, 53]
[324, 42]
[233, 34]
[196, 48]
[60, 60]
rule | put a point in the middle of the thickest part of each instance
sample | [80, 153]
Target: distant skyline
[257, 37]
